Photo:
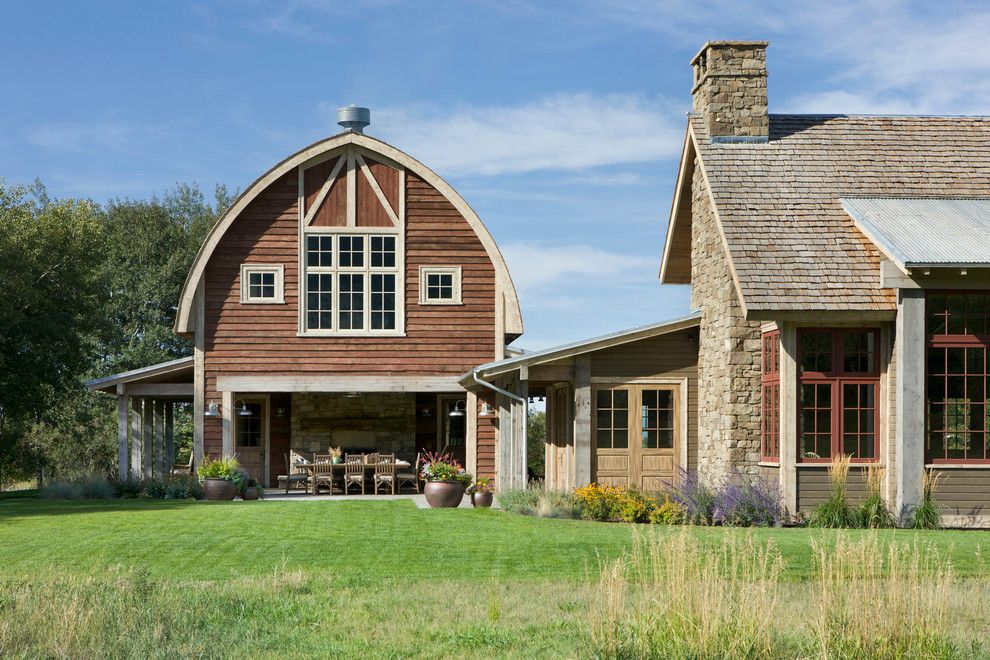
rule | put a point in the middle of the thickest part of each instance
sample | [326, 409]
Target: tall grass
[672, 596]
[835, 511]
[882, 602]
[928, 515]
[537, 500]
[874, 513]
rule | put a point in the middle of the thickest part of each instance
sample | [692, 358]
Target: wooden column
[909, 457]
[582, 421]
[788, 415]
[169, 436]
[471, 435]
[519, 432]
[137, 426]
[503, 453]
[123, 453]
[147, 438]
[227, 423]
[199, 379]
[159, 439]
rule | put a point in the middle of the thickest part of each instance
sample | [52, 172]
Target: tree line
[89, 290]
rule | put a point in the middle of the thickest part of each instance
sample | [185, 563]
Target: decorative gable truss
[351, 244]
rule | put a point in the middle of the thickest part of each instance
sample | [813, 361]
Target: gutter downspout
[512, 427]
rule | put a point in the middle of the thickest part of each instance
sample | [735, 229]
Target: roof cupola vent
[354, 118]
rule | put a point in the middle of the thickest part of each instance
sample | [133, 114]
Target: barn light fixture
[212, 410]
[459, 408]
[486, 410]
[244, 411]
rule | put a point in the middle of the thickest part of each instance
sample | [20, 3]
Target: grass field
[134, 578]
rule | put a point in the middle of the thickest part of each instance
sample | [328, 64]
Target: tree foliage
[90, 290]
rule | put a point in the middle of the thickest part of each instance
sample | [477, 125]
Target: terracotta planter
[444, 494]
[251, 493]
[219, 489]
[482, 500]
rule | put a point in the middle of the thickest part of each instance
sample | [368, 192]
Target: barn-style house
[840, 275]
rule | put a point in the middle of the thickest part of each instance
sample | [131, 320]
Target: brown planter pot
[251, 493]
[482, 500]
[444, 494]
[219, 489]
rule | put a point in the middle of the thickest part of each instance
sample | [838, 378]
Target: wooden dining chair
[409, 477]
[353, 472]
[385, 472]
[293, 476]
[323, 474]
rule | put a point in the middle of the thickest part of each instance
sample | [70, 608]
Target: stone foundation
[382, 422]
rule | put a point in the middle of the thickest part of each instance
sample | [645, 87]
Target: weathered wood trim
[303, 383]
[136, 442]
[199, 375]
[428, 269]
[684, 167]
[351, 190]
[823, 317]
[227, 422]
[582, 421]
[471, 434]
[160, 389]
[892, 277]
[169, 436]
[377, 188]
[185, 322]
[788, 415]
[277, 269]
[122, 433]
[310, 213]
[147, 437]
[159, 440]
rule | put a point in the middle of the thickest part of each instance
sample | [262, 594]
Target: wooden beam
[122, 434]
[582, 421]
[327, 185]
[328, 384]
[159, 439]
[137, 424]
[471, 435]
[199, 370]
[378, 189]
[169, 436]
[227, 422]
[160, 390]
[147, 438]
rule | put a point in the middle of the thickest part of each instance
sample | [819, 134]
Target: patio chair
[353, 472]
[323, 473]
[184, 468]
[385, 472]
[409, 477]
[293, 476]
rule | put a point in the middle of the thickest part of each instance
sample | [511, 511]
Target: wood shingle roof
[792, 245]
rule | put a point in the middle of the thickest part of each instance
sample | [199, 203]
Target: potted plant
[335, 455]
[481, 493]
[252, 490]
[222, 479]
[446, 480]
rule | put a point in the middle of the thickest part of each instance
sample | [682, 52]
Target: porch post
[788, 416]
[471, 435]
[137, 412]
[582, 421]
[909, 456]
[169, 436]
[519, 432]
[122, 433]
[159, 438]
[227, 423]
[503, 457]
[147, 437]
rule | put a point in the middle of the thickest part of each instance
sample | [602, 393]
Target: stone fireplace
[361, 422]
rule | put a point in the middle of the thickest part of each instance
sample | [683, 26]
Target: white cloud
[97, 136]
[563, 131]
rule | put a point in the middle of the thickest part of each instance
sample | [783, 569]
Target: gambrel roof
[791, 245]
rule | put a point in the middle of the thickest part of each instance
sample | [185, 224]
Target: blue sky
[559, 122]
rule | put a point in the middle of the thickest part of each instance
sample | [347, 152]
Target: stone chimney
[730, 90]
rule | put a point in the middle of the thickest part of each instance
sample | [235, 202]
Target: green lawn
[137, 578]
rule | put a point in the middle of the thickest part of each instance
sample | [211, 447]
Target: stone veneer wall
[729, 347]
[384, 422]
[731, 88]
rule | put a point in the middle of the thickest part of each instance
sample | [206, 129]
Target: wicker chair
[385, 472]
[353, 472]
[293, 476]
[409, 477]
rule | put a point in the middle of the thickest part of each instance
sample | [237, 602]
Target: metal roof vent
[354, 118]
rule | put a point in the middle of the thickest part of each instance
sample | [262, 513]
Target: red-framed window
[770, 444]
[839, 394]
[957, 407]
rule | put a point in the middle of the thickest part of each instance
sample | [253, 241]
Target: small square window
[261, 284]
[440, 285]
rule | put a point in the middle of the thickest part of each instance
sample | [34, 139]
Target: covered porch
[148, 402]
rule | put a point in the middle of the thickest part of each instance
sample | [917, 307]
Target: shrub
[874, 513]
[748, 503]
[696, 498]
[518, 500]
[539, 501]
[600, 502]
[928, 515]
[129, 488]
[835, 512]
[60, 490]
[668, 512]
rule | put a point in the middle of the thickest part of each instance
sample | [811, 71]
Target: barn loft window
[439, 285]
[839, 393]
[262, 284]
[351, 283]
[352, 222]
[770, 445]
[958, 409]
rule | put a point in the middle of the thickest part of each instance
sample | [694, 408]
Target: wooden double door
[637, 436]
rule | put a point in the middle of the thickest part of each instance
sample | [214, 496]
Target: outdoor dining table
[310, 469]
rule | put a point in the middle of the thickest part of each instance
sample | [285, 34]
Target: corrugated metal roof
[915, 232]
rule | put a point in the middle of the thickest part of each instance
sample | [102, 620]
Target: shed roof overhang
[172, 379]
[922, 233]
[534, 358]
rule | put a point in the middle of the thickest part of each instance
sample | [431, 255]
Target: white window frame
[454, 271]
[276, 269]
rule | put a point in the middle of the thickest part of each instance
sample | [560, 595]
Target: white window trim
[279, 272]
[424, 271]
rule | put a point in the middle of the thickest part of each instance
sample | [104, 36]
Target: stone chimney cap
[743, 44]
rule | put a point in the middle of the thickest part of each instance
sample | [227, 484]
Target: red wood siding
[261, 339]
[333, 210]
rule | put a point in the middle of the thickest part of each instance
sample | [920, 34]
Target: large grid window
[770, 427]
[958, 412]
[839, 393]
[352, 283]
[612, 419]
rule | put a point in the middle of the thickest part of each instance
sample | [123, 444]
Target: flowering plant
[443, 467]
[482, 486]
